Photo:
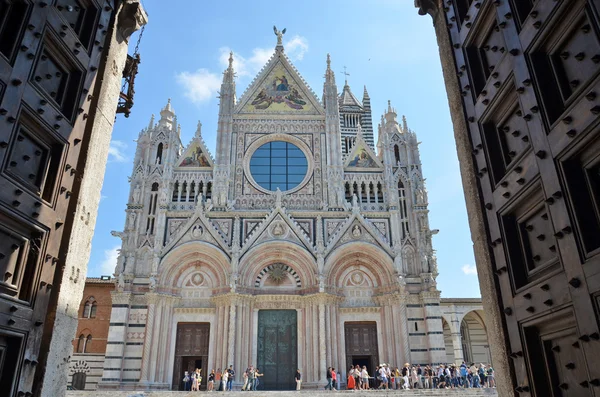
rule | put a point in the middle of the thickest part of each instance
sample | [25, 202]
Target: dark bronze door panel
[277, 349]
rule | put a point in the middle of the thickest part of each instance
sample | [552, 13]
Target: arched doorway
[450, 358]
[474, 340]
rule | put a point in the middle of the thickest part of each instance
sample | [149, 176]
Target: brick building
[89, 343]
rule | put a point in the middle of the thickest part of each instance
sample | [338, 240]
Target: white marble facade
[210, 240]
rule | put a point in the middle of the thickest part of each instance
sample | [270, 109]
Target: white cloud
[245, 66]
[202, 85]
[199, 86]
[296, 48]
[469, 270]
[116, 152]
[109, 263]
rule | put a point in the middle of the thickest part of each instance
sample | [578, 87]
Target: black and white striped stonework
[287, 268]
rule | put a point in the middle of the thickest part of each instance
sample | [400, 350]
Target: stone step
[311, 392]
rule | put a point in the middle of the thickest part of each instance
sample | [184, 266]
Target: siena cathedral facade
[301, 244]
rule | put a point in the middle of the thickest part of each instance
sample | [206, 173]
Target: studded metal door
[277, 349]
[49, 54]
[529, 73]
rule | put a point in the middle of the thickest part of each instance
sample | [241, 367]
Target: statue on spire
[279, 35]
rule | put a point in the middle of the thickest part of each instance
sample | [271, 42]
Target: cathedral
[302, 243]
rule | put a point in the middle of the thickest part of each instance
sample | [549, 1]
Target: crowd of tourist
[415, 377]
[449, 376]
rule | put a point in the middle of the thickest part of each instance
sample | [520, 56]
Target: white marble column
[300, 334]
[148, 342]
[231, 340]
[155, 353]
[328, 336]
[254, 336]
[322, 349]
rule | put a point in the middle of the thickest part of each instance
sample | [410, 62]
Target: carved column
[156, 352]
[151, 299]
[301, 338]
[231, 344]
[322, 349]
[163, 355]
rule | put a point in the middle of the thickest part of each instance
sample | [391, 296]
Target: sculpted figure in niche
[131, 220]
[409, 261]
[120, 282]
[277, 230]
[136, 194]
[356, 232]
[197, 231]
[120, 264]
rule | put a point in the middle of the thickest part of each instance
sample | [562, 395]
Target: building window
[88, 344]
[159, 153]
[89, 309]
[78, 382]
[397, 153]
[278, 165]
[81, 344]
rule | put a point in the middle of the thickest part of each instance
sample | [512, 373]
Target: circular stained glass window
[278, 165]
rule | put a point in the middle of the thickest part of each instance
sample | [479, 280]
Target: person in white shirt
[224, 379]
[365, 377]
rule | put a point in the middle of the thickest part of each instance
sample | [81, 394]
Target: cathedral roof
[347, 98]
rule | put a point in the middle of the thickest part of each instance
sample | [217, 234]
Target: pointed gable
[362, 158]
[196, 155]
[279, 88]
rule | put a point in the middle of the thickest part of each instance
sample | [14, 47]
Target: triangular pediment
[357, 228]
[195, 156]
[279, 89]
[277, 226]
[196, 228]
[362, 158]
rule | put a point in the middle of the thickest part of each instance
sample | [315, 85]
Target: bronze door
[191, 349]
[528, 72]
[277, 349]
[361, 345]
[50, 52]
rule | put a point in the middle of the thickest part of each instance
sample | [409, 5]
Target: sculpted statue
[136, 194]
[278, 198]
[120, 264]
[120, 282]
[279, 35]
[131, 220]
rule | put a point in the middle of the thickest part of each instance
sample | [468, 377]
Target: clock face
[278, 164]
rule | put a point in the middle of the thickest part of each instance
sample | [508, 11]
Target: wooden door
[361, 344]
[277, 349]
[49, 54]
[191, 345]
[529, 74]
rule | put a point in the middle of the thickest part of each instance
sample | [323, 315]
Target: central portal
[277, 349]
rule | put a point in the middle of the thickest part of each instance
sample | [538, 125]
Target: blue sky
[384, 44]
